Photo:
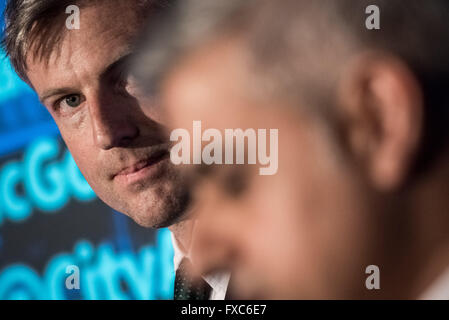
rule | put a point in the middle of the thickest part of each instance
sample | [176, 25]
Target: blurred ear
[381, 101]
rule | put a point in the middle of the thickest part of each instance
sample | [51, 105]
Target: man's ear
[382, 102]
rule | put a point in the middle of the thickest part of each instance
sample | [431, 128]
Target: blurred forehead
[211, 80]
[216, 84]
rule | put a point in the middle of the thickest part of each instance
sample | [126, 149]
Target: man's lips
[136, 167]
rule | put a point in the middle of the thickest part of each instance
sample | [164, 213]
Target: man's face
[114, 134]
[300, 233]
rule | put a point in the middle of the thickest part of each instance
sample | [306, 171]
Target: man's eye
[72, 101]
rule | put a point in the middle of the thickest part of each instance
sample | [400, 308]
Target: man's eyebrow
[119, 63]
[53, 92]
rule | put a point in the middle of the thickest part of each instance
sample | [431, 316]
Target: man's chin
[156, 217]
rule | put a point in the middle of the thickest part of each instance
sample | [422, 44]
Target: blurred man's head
[362, 117]
[115, 135]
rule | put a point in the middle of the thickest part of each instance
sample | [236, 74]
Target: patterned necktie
[188, 289]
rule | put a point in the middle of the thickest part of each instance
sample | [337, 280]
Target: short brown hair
[38, 24]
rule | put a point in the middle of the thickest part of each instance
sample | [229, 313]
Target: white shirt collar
[218, 281]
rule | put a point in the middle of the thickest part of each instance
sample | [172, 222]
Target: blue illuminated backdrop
[50, 218]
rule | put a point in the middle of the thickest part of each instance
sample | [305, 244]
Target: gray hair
[299, 46]
[185, 26]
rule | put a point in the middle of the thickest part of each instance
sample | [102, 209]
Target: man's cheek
[88, 170]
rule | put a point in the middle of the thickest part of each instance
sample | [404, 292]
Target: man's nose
[112, 125]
